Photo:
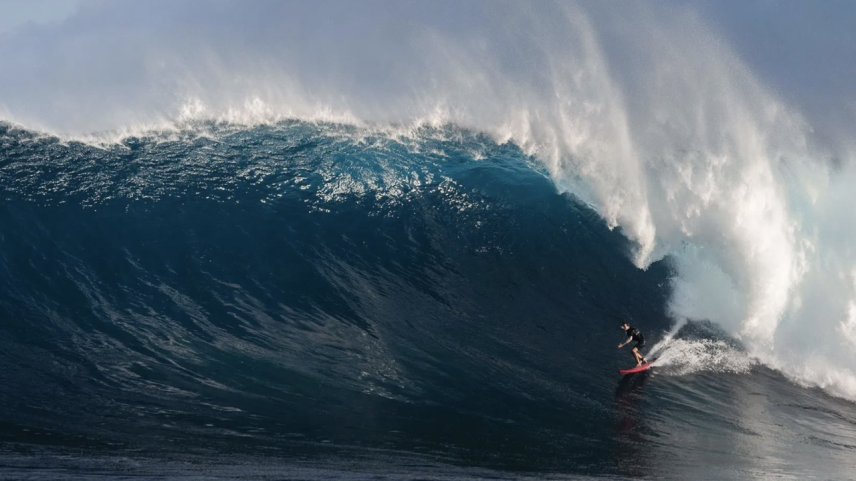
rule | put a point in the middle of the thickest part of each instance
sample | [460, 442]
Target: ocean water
[315, 300]
[396, 240]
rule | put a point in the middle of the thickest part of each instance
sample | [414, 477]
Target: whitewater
[728, 196]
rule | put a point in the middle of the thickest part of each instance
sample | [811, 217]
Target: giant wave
[374, 200]
[643, 113]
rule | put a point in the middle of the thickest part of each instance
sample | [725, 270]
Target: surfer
[634, 335]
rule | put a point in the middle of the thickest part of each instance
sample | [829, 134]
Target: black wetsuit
[637, 336]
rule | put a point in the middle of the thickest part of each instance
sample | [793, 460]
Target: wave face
[303, 284]
[318, 291]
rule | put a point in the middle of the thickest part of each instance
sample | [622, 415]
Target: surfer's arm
[625, 342]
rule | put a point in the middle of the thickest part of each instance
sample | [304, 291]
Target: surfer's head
[625, 326]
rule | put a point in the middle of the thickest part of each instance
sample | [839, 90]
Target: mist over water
[653, 115]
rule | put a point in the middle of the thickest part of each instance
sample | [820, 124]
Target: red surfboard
[643, 367]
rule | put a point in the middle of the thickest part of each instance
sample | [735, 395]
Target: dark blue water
[309, 300]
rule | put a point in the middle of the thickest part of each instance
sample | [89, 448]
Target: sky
[807, 50]
[17, 13]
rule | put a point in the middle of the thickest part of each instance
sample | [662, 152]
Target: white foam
[683, 357]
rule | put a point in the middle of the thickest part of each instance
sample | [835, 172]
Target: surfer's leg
[637, 356]
[639, 345]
